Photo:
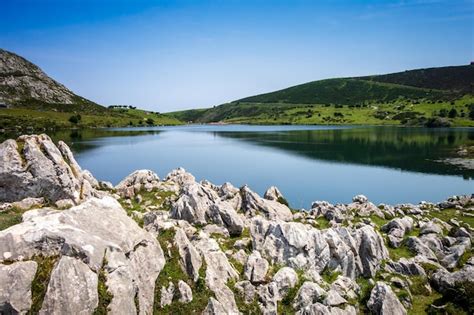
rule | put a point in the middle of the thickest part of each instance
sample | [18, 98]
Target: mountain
[379, 99]
[30, 99]
[22, 83]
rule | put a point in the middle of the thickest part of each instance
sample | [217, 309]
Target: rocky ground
[70, 244]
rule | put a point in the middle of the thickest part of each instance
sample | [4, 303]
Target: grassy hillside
[393, 113]
[33, 119]
[417, 97]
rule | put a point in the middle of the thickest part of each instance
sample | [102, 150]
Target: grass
[172, 272]
[105, 297]
[286, 304]
[329, 276]
[323, 223]
[396, 112]
[401, 252]
[49, 119]
[364, 295]
[10, 217]
[246, 309]
[41, 281]
[448, 214]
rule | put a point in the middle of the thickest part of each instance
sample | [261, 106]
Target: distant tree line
[122, 106]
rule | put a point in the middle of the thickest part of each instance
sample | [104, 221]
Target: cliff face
[177, 246]
[21, 80]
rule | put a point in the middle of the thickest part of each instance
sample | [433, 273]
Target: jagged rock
[397, 228]
[227, 192]
[64, 204]
[462, 232]
[214, 307]
[431, 227]
[138, 180]
[416, 245]
[314, 309]
[218, 272]
[384, 302]
[240, 256]
[327, 210]
[167, 294]
[364, 208]
[15, 287]
[256, 268]
[371, 250]
[308, 294]
[185, 292]
[72, 289]
[190, 259]
[253, 204]
[345, 287]
[333, 298]
[247, 290]
[285, 279]
[87, 231]
[273, 193]
[41, 169]
[180, 177]
[28, 203]
[407, 267]
[457, 286]
[201, 205]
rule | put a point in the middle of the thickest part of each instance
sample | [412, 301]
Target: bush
[150, 121]
[437, 123]
[74, 119]
[453, 113]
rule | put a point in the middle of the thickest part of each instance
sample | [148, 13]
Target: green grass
[105, 297]
[323, 223]
[401, 252]
[10, 217]
[29, 118]
[398, 112]
[172, 272]
[285, 306]
[329, 276]
[41, 281]
[448, 214]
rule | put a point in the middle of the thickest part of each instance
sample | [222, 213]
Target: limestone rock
[138, 180]
[72, 289]
[273, 193]
[383, 301]
[167, 294]
[41, 169]
[256, 268]
[247, 290]
[185, 292]
[97, 226]
[308, 294]
[254, 204]
[285, 279]
[190, 259]
[15, 287]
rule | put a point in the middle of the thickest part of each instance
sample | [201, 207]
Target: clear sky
[169, 55]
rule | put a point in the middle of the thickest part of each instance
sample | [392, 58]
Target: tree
[74, 119]
[453, 113]
[471, 111]
[443, 113]
[150, 121]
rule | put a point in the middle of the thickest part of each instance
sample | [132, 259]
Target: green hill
[414, 97]
[30, 99]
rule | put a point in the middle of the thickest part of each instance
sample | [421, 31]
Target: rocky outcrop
[138, 180]
[253, 204]
[15, 287]
[72, 289]
[34, 167]
[21, 80]
[85, 233]
[384, 302]
[228, 250]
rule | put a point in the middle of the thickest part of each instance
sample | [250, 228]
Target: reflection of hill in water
[407, 149]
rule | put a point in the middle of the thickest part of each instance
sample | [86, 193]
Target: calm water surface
[388, 164]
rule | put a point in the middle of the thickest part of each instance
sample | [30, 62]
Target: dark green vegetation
[433, 97]
[10, 217]
[105, 297]
[41, 281]
[172, 272]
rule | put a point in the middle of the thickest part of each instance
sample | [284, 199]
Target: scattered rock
[15, 287]
[384, 302]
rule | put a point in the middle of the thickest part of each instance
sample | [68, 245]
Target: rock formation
[177, 245]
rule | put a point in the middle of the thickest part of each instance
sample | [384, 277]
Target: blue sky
[170, 55]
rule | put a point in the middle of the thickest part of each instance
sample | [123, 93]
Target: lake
[307, 163]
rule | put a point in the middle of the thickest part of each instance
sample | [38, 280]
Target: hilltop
[29, 98]
[409, 97]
